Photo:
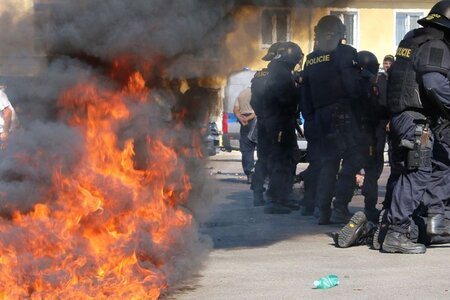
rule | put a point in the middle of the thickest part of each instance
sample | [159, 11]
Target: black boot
[444, 238]
[397, 242]
[346, 236]
[380, 233]
[340, 215]
[324, 217]
[436, 224]
[366, 237]
[258, 199]
[372, 214]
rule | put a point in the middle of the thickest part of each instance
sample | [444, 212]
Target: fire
[113, 229]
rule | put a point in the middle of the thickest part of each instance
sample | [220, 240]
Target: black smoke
[82, 40]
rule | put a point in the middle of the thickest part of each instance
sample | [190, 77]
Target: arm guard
[433, 56]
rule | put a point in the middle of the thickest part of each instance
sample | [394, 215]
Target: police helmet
[289, 52]
[439, 15]
[368, 61]
[272, 51]
[330, 25]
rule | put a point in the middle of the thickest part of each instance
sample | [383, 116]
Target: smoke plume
[85, 41]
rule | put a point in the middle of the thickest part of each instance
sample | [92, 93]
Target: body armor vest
[403, 91]
[325, 78]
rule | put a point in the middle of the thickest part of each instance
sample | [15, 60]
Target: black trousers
[247, 148]
[427, 185]
[262, 164]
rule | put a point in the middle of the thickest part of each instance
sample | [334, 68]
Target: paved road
[258, 256]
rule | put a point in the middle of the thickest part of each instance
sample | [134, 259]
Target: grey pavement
[258, 256]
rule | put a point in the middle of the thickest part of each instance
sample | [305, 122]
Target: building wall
[16, 38]
[377, 31]
[375, 28]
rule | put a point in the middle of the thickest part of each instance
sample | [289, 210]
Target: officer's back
[281, 91]
[258, 88]
[327, 70]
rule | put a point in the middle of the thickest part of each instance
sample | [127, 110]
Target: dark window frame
[275, 26]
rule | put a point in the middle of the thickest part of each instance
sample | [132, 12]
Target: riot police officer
[419, 99]
[312, 136]
[263, 144]
[332, 80]
[380, 93]
[369, 122]
[281, 97]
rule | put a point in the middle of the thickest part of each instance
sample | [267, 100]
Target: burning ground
[103, 186]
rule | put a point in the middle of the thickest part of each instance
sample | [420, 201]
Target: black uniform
[369, 122]
[263, 145]
[312, 136]
[423, 62]
[280, 110]
[379, 96]
[333, 83]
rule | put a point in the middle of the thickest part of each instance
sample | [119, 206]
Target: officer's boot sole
[346, 236]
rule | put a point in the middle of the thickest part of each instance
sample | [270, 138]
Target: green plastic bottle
[326, 282]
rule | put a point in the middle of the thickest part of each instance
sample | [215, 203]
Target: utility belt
[419, 150]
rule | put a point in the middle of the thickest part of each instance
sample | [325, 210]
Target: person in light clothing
[7, 118]
[246, 116]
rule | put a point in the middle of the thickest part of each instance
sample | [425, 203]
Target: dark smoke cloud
[13, 16]
[29, 161]
[105, 30]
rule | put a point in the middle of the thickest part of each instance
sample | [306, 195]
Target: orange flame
[112, 229]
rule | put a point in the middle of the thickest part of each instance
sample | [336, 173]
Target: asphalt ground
[259, 256]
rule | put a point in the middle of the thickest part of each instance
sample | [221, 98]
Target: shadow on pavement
[439, 246]
[236, 223]
[235, 180]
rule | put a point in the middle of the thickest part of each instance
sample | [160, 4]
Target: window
[349, 18]
[404, 22]
[275, 26]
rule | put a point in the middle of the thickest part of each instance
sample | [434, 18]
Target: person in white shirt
[6, 118]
